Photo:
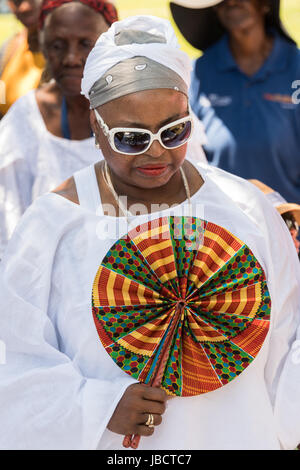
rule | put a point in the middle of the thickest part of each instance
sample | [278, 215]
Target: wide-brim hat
[200, 26]
[278, 201]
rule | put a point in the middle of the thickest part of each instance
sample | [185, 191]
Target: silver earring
[96, 142]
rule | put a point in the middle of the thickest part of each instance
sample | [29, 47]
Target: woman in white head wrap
[73, 365]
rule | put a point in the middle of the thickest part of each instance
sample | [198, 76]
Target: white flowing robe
[59, 387]
[33, 161]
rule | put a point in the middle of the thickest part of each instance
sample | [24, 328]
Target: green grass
[290, 13]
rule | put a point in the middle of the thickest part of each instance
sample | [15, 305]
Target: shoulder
[241, 191]
[210, 55]
[67, 190]
[40, 222]
[33, 249]
[47, 93]
[290, 48]
[228, 180]
[18, 137]
[269, 226]
[289, 54]
[296, 59]
[23, 104]
[45, 221]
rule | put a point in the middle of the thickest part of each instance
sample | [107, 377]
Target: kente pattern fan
[181, 303]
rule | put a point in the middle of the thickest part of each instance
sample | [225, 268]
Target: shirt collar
[276, 61]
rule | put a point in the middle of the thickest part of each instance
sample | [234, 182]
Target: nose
[156, 149]
[25, 7]
[72, 57]
[232, 2]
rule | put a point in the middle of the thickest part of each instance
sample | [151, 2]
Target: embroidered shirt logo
[140, 67]
[286, 101]
[217, 100]
[204, 101]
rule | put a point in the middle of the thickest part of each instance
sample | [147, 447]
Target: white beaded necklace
[127, 213]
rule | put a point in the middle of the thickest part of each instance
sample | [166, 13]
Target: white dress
[59, 387]
[33, 161]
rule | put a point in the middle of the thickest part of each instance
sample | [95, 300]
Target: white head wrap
[107, 53]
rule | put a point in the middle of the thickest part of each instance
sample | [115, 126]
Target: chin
[236, 19]
[69, 86]
[239, 23]
[29, 22]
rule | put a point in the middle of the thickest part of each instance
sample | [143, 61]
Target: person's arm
[46, 402]
[283, 368]
[17, 147]
[282, 372]
[282, 269]
[15, 197]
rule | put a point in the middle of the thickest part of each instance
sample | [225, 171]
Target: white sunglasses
[132, 141]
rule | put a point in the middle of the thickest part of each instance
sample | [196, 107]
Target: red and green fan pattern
[181, 303]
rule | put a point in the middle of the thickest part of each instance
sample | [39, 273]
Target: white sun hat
[197, 3]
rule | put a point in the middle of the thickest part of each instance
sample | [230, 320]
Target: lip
[152, 170]
[72, 76]
[233, 9]
[76, 73]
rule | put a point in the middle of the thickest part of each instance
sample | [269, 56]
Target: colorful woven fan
[181, 303]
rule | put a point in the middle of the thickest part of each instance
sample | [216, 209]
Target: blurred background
[290, 14]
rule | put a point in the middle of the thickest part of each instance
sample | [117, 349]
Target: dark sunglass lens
[176, 135]
[290, 221]
[131, 142]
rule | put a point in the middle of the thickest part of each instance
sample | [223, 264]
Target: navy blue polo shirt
[252, 123]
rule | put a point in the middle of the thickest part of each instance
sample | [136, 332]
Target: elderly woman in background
[46, 135]
[146, 276]
[21, 62]
[243, 88]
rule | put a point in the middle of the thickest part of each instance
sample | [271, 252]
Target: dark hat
[199, 24]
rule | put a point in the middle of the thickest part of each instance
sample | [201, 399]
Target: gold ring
[150, 421]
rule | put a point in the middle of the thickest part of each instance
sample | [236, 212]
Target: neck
[77, 104]
[250, 48]
[249, 42]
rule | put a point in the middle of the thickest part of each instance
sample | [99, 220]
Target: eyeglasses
[290, 222]
[131, 141]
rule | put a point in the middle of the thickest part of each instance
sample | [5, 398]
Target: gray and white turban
[135, 54]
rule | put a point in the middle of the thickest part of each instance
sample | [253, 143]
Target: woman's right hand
[132, 411]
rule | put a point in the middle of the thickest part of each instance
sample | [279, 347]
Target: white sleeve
[282, 267]
[282, 372]
[16, 146]
[45, 400]
[283, 368]
[15, 197]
